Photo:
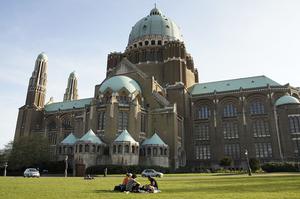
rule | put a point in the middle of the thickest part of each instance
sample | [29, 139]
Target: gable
[125, 67]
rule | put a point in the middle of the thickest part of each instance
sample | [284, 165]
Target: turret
[37, 84]
[71, 90]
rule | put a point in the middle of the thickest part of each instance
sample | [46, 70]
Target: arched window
[149, 151]
[132, 149]
[101, 122]
[64, 150]
[122, 120]
[93, 148]
[114, 149]
[80, 148]
[119, 148]
[70, 150]
[257, 107]
[203, 112]
[126, 148]
[87, 148]
[166, 152]
[161, 151]
[229, 110]
[154, 151]
[98, 149]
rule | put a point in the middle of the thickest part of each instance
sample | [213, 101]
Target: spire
[71, 90]
[37, 84]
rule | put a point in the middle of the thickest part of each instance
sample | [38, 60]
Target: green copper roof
[286, 99]
[155, 24]
[116, 83]
[91, 137]
[70, 139]
[232, 84]
[66, 105]
[124, 137]
[154, 140]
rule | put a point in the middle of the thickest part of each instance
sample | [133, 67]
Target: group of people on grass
[130, 184]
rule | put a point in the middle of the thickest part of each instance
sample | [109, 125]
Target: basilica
[152, 110]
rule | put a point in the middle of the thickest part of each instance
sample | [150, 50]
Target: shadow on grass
[105, 191]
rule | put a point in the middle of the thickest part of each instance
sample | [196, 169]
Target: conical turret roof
[125, 137]
[154, 140]
[91, 137]
[70, 139]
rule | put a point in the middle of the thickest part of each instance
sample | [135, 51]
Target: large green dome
[155, 24]
[286, 99]
[118, 82]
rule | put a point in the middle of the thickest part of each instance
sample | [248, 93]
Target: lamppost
[248, 165]
[5, 166]
[66, 166]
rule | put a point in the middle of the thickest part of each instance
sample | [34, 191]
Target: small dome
[116, 83]
[155, 24]
[43, 57]
[287, 99]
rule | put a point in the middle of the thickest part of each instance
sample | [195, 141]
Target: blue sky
[227, 38]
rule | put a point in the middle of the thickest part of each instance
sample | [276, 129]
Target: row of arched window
[230, 110]
[154, 151]
[87, 148]
[126, 148]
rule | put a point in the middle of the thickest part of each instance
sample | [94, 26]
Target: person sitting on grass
[125, 181]
[152, 187]
[153, 182]
[133, 185]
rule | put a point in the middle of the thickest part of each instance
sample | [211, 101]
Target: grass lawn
[173, 186]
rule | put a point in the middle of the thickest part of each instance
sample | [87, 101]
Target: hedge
[280, 167]
[117, 169]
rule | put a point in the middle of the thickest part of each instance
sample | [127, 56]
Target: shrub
[280, 167]
[225, 162]
[254, 164]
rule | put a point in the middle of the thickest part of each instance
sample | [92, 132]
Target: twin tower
[36, 92]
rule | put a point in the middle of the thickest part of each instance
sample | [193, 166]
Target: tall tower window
[229, 110]
[122, 120]
[260, 128]
[294, 123]
[230, 130]
[263, 150]
[101, 121]
[257, 107]
[203, 112]
[202, 152]
[232, 150]
[201, 131]
[143, 123]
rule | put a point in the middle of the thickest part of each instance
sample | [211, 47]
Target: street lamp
[248, 165]
[5, 166]
[66, 166]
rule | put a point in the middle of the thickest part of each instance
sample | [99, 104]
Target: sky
[227, 39]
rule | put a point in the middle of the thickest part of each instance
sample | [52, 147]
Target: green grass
[206, 186]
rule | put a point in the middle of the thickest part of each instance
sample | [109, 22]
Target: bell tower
[37, 84]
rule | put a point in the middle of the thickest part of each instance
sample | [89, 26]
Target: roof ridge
[69, 101]
[233, 79]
